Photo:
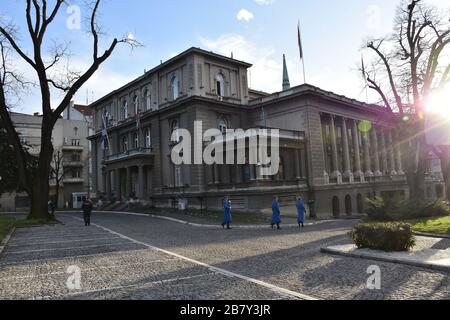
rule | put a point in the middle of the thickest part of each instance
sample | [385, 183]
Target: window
[223, 125]
[136, 140]
[125, 110]
[148, 100]
[76, 157]
[178, 178]
[175, 88]
[136, 104]
[75, 142]
[148, 139]
[124, 143]
[76, 173]
[75, 131]
[220, 85]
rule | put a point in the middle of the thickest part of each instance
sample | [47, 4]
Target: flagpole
[304, 72]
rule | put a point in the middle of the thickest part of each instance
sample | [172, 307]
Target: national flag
[103, 134]
[300, 41]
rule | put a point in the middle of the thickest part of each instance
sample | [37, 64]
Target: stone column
[141, 182]
[118, 184]
[107, 184]
[358, 173]
[297, 164]
[347, 169]
[303, 169]
[367, 163]
[238, 173]
[128, 183]
[376, 151]
[216, 174]
[398, 154]
[334, 152]
[391, 158]
[384, 162]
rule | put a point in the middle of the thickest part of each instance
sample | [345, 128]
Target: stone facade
[333, 150]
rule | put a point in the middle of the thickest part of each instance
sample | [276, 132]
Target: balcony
[137, 153]
[70, 163]
[70, 147]
[70, 180]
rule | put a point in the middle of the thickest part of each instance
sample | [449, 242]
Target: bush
[394, 208]
[387, 236]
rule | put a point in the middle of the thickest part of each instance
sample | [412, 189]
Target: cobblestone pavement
[121, 258]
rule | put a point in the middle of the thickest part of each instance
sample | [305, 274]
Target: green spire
[286, 83]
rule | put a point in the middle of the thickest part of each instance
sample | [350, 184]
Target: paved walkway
[139, 257]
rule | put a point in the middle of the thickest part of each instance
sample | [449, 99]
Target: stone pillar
[358, 173]
[376, 151]
[398, 154]
[128, 183]
[297, 164]
[238, 173]
[216, 174]
[334, 151]
[118, 184]
[391, 158]
[107, 184]
[367, 163]
[303, 168]
[141, 182]
[347, 170]
[384, 162]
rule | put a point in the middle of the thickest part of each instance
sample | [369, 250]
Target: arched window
[148, 139]
[148, 100]
[136, 104]
[175, 88]
[359, 203]
[75, 131]
[124, 143]
[220, 85]
[136, 140]
[348, 205]
[223, 125]
[336, 207]
[125, 109]
[174, 127]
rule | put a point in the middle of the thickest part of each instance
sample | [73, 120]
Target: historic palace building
[334, 151]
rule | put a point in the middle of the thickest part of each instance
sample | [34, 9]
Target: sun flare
[439, 102]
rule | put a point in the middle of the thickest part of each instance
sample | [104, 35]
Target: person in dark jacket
[300, 204]
[276, 215]
[226, 213]
[87, 210]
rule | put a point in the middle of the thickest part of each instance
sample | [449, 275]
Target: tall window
[220, 85]
[124, 143]
[175, 88]
[223, 125]
[148, 100]
[136, 104]
[136, 140]
[178, 178]
[125, 110]
[148, 139]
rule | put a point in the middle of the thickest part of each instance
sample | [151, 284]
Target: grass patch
[438, 225]
[7, 223]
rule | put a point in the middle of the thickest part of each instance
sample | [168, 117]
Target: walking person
[300, 204]
[276, 215]
[226, 213]
[87, 210]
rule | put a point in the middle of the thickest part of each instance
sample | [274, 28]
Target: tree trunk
[444, 156]
[41, 187]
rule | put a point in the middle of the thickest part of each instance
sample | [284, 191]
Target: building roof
[83, 109]
[168, 62]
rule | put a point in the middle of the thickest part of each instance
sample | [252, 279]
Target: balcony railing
[129, 153]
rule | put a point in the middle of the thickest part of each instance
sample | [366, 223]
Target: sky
[255, 31]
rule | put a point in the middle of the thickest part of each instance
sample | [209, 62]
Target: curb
[425, 265]
[6, 240]
[432, 235]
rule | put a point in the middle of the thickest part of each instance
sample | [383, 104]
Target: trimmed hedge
[393, 208]
[386, 236]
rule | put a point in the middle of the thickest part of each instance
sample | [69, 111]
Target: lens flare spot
[364, 126]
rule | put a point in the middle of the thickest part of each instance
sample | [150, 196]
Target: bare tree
[57, 172]
[38, 18]
[411, 68]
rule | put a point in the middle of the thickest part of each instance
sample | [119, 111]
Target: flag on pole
[103, 134]
[300, 41]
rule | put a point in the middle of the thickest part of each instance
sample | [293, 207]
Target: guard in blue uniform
[276, 215]
[300, 204]
[226, 213]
